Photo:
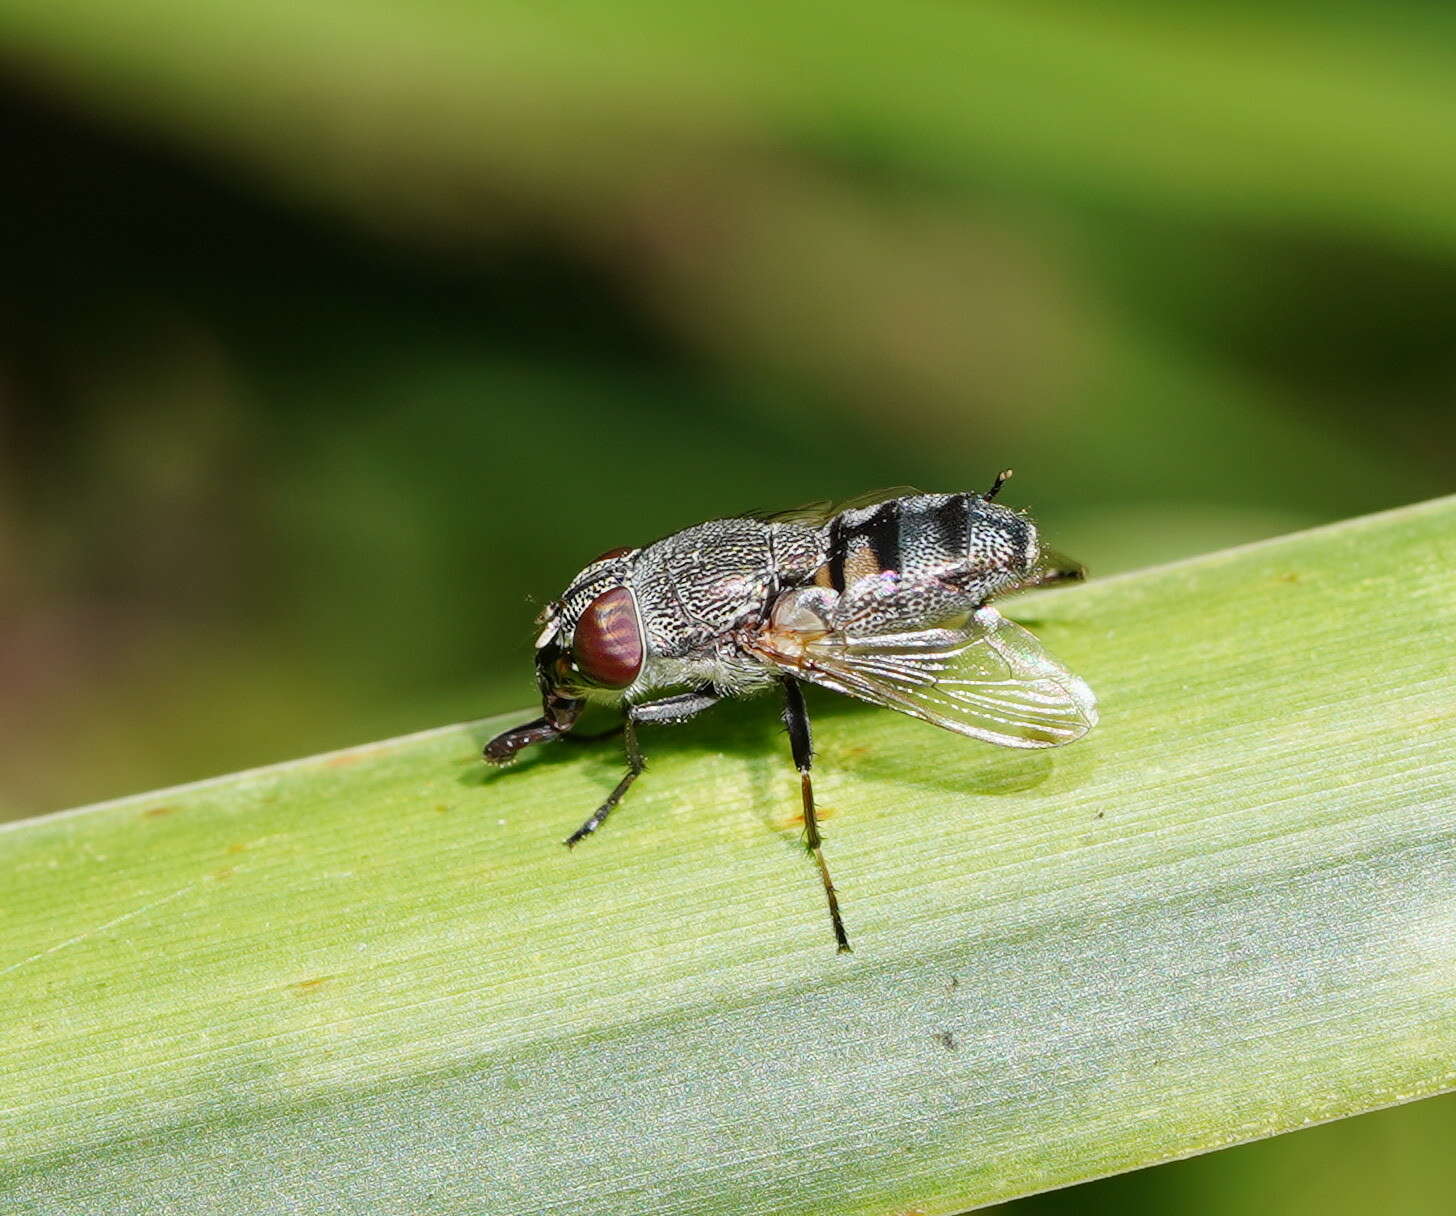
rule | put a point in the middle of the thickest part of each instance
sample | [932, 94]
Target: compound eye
[607, 642]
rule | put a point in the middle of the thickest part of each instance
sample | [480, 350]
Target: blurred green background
[334, 338]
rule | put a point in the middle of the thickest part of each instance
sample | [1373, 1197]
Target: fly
[884, 599]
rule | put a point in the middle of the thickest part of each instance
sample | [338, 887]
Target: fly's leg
[635, 764]
[675, 709]
[669, 709]
[801, 742]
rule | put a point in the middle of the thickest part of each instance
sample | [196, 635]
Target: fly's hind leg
[801, 743]
[669, 709]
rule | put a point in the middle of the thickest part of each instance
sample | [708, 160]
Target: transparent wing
[811, 513]
[1052, 569]
[986, 677]
[870, 497]
[822, 510]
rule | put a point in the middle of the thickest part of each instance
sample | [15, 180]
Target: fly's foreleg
[674, 709]
[669, 709]
[635, 764]
[801, 743]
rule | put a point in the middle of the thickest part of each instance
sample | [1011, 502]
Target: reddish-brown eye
[607, 643]
[620, 551]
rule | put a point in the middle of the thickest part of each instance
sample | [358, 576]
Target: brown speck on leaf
[156, 812]
[797, 821]
[1288, 577]
[237, 847]
[822, 810]
[309, 985]
[1099, 815]
[223, 874]
[441, 808]
[946, 1039]
[355, 754]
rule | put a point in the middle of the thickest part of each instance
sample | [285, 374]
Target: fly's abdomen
[909, 561]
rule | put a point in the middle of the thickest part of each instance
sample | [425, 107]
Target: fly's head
[590, 648]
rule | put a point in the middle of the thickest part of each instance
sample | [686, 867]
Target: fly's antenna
[1001, 479]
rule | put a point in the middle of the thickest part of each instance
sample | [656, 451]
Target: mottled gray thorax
[695, 586]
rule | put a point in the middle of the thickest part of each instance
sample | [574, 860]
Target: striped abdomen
[927, 547]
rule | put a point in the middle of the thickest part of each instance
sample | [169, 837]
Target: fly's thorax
[696, 587]
[797, 551]
[727, 671]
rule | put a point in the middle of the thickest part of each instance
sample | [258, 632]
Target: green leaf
[374, 982]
